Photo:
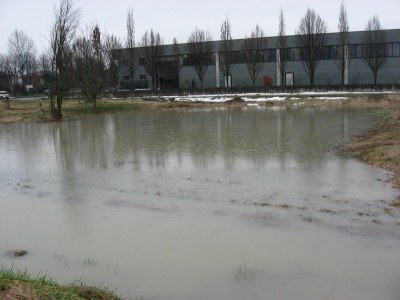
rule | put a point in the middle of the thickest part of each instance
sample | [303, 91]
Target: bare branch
[253, 48]
[22, 55]
[226, 48]
[311, 36]
[343, 41]
[374, 39]
[151, 49]
[199, 47]
[130, 44]
[63, 30]
[282, 46]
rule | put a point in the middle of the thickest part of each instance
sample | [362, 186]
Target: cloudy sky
[178, 18]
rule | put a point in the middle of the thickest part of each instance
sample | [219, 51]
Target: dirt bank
[380, 146]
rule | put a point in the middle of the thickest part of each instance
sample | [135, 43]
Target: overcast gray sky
[178, 18]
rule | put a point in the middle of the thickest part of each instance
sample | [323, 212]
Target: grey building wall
[327, 73]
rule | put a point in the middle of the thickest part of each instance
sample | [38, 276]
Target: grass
[243, 272]
[380, 146]
[39, 110]
[16, 284]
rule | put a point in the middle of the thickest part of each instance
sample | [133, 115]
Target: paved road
[33, 98]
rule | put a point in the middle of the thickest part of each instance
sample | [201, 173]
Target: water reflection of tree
[153, 139]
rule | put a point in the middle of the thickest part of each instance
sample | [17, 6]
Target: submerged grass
[16, 284]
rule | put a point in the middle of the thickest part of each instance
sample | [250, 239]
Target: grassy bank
[19, 285]
[380, 146]
[39, 110]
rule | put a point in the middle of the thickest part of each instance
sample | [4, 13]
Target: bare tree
[343, 41]
[22, 55]
[374, 39]
[45, 66]
[130, 44]
[66, 20]
[226, 50]
[5, 72]
[199, 48]
[89, 64]
[311, 36]
[111, 43]
[96, 66]
[253, 50]
[151, 49]
[5, 76]
[80, 49]
[177, 62]
[282, 46]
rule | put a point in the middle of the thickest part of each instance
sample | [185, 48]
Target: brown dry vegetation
[380, 146]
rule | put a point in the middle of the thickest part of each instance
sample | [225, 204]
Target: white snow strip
[331, 98]
[265, 97]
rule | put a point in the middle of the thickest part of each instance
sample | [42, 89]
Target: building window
[142, 77]
[389, 50]
[290, 54]
[127, 77]
[335, 52]
[142, 61]
[356, 51]
[396, 49]
[270, 55]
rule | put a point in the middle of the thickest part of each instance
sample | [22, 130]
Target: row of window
[294, 54]
[325, 53]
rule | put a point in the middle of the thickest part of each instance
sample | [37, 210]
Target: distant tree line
[85, 61]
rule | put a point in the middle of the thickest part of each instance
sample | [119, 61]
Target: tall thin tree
[226, 51]
[343, 42]
[282, 46]
[130, 44]
[66, 20]
[110, 44]
[374, 39]
[176, 62]
[199, 48]
[152, 49]
[253, 50]
[96, 65]
[311, 37]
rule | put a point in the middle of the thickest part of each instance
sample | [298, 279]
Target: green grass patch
[16, 284]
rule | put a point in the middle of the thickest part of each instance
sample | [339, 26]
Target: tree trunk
[312, 78]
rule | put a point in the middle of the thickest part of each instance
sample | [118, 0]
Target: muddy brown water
[247, 203]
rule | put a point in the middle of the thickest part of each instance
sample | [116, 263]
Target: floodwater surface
[248, 203]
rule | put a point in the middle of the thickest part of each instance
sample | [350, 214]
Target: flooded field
[245, 203]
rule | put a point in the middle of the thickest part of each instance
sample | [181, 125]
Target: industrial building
[328, 72]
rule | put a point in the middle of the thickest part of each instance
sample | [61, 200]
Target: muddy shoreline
[380, 146]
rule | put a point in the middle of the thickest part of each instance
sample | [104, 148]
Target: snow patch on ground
[265, 97]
